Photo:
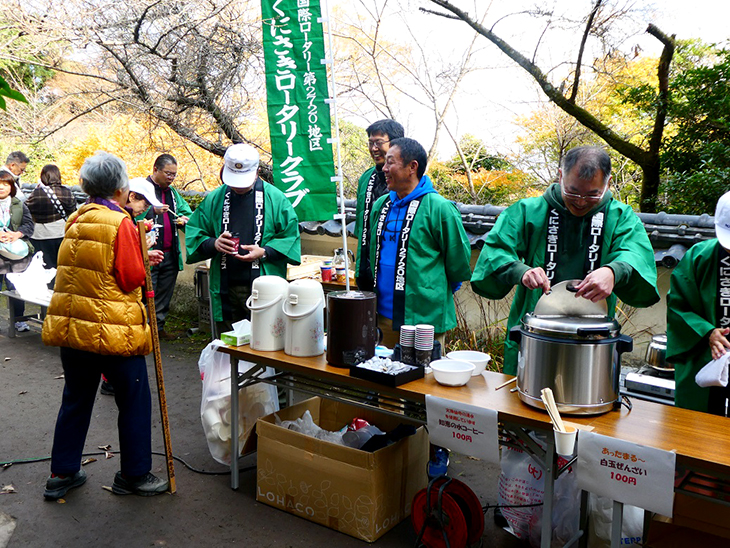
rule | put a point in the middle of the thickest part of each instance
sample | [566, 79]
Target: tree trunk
[651, 170]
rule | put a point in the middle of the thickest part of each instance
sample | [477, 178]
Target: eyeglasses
[170, 174]
[588, 198]
[377, 143]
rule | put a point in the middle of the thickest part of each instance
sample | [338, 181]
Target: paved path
[204, 512]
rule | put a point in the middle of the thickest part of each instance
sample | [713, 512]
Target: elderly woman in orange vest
[99, 320]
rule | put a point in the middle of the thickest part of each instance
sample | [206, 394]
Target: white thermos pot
[304, 310]
[268, 322]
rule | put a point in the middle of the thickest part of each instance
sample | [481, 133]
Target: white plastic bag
[257, 400]
[32, 284]
[522, 482]
[600, 517]
[305, 425]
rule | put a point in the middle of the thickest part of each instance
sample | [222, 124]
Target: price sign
[626, 472]
[463, 428]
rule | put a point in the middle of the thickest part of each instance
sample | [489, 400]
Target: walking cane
[158, 359]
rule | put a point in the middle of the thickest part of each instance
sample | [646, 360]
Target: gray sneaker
[22, 327]
[144, 486]
[57, 487]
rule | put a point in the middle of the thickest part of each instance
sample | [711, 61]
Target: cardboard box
[231, 339]
[712, 517]
[355, 492]
[663, 533]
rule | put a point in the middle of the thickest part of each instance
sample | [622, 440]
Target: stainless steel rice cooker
[578, 357]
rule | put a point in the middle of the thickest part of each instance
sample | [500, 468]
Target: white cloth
[49, 231]
[5, 213]
[715, 373]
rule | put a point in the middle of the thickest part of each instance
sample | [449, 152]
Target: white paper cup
[211, 417]
[565, 441]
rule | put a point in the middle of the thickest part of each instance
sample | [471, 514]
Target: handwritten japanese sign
[464, 428]
[299, 118]
[626, 472]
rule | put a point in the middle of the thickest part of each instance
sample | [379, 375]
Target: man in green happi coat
[248, 228]
[575, 230]
[698, 316]
[370, 187]
[419, 250]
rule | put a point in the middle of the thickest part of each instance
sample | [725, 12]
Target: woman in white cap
[698, 316]
[248, 228]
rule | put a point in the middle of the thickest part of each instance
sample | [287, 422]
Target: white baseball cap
[241, 166]
[722, 220]
[142, 186]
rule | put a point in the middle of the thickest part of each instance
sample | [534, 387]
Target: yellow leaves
[139, 144]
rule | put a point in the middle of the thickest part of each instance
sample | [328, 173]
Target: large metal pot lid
[561, 301]
[572, 327]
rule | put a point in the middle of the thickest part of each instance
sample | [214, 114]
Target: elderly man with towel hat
[698, 317]
[247, 228]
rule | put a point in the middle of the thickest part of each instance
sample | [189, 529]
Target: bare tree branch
[648, 160]
[581, 49]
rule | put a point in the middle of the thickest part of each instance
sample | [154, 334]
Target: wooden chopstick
[549, 400]
[506, 383]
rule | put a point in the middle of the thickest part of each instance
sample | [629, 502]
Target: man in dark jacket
[173, 214]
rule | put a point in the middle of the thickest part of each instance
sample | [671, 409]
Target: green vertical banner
[299, 118]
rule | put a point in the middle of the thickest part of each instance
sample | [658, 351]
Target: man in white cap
[698, 315]
[248, 228]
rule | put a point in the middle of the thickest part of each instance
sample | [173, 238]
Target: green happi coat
[691, 316]
[517, 243]
[438, 256]
[362, 187]
[280, 232]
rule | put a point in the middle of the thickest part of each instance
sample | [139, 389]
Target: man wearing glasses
[174, 213]
[16, 164]
[575, 230]
[370, 187]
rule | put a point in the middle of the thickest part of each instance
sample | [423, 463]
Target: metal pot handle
[585, 331]
[515, 334]
[624, 344]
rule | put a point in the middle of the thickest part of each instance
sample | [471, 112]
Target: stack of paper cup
[407, 342]
[423, 344]
[424, 337]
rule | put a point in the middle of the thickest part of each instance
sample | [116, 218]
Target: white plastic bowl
[452, 372]
[479, 359]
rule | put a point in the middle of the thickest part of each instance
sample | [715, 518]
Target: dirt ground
[205, 511]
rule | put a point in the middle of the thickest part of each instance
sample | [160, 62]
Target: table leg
[584, 519]
[551, 466]
[617, 520]
[234, 423]
[11, 317]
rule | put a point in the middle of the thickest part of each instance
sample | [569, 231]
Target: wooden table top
[700, 440]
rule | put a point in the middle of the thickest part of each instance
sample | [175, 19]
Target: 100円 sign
[626, 472]
[464, 428]
[299, 118]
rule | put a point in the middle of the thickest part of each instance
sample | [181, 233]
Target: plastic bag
[522, 482]
[305, 425]
[254, 401]
[600, 517]
[33, 283]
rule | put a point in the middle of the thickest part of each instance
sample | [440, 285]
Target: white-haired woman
[99, 320]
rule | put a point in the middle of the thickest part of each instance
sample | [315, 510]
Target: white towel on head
[715, 373]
